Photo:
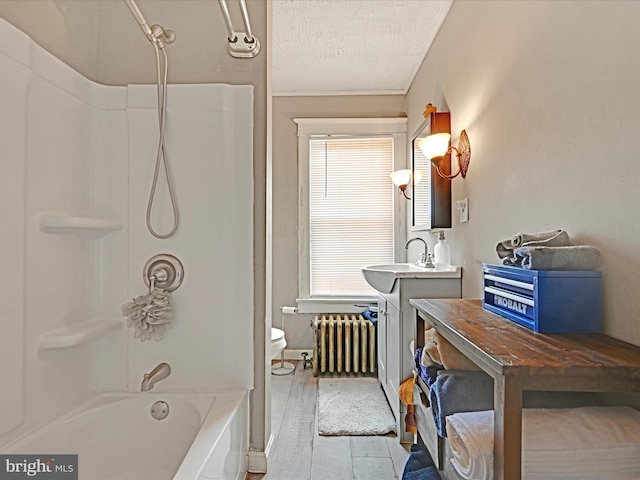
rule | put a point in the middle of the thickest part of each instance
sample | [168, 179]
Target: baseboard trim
[296, 354]
[258, 459]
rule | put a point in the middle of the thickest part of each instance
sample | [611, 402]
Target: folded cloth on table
[420, 465]
[438, 351]
[430, 355]
[405, 392]
[587, 443]
[459, 391]
[450, 357]
[578, 257]
[554, 238]
[427, 373]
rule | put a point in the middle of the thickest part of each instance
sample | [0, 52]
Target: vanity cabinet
[396, 329]
[388, 344]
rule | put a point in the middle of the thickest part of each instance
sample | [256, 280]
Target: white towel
[587, 443]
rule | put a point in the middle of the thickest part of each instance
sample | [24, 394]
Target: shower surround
[77, 163]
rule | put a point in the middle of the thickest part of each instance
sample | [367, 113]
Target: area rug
[353, 406]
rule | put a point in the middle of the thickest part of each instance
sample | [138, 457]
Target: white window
[348, 213]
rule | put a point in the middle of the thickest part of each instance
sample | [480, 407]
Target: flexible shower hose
[162, 154]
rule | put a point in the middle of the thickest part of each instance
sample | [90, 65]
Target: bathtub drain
[159, 410]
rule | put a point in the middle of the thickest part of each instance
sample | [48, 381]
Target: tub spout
[150, 379]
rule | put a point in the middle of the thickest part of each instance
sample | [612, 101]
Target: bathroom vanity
[396, 322]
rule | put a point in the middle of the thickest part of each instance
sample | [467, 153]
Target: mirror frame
[440, 204]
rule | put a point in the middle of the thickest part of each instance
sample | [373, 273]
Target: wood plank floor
[299, 453]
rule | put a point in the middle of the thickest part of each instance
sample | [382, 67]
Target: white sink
[383, 277]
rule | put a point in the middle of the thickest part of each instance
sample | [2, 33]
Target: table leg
[507, 429]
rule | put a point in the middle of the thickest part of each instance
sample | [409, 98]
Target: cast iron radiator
[343, 343]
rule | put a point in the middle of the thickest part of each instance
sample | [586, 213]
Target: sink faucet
[150, 379]
[425, 259]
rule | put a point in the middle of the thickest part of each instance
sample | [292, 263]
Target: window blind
[350, 211]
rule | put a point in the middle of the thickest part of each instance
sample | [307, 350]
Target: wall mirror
[431, 197]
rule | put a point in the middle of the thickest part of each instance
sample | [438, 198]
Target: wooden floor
[299, 453]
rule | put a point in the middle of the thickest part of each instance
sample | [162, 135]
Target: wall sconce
[436, 146]
[403, 178]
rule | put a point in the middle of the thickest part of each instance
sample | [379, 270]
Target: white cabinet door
[382, 342]
[394, 357]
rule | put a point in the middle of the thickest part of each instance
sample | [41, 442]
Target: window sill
[335, 305]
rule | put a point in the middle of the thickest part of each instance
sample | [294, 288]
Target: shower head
[155, 34]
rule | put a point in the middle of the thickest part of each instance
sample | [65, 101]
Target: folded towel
[450, 357]
[420, 465]
[430, 355]
[579, 257]
[427, 373]
[587, 443]
[554, 238]
[405, 392]
[459, 391]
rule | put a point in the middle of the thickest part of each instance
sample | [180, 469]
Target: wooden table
[519, 359]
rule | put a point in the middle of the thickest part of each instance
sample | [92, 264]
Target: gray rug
[353, 406]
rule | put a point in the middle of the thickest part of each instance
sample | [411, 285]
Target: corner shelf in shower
[79, 333]
[79, 226]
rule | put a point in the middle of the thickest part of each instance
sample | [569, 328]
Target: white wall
[547, 92]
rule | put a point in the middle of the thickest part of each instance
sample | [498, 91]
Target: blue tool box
[546, 301]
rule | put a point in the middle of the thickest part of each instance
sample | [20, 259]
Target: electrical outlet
[463, 207]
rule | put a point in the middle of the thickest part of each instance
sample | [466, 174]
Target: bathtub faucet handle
[154, 376]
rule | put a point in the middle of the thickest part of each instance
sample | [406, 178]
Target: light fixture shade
[435, 145]
[403, 177]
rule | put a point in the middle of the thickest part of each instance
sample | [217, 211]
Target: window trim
[396, 127]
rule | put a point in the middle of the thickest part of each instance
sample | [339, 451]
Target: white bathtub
[204, 436]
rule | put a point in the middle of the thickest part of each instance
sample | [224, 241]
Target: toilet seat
[278, 342]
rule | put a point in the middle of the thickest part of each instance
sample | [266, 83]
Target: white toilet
[278, 342]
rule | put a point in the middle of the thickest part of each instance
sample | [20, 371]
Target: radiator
[343, 343]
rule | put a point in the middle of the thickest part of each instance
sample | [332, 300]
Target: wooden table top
[503, 347]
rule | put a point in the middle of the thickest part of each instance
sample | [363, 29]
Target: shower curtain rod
[239, 44]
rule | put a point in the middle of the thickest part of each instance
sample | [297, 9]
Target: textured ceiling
[325, 47]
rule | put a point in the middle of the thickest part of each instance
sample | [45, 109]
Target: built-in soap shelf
[79, 333]
[87, 227]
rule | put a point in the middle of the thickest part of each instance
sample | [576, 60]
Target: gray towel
[579, 257]
[554, 238]
[457, 391]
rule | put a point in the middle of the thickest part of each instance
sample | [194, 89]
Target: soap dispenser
[442, 253]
